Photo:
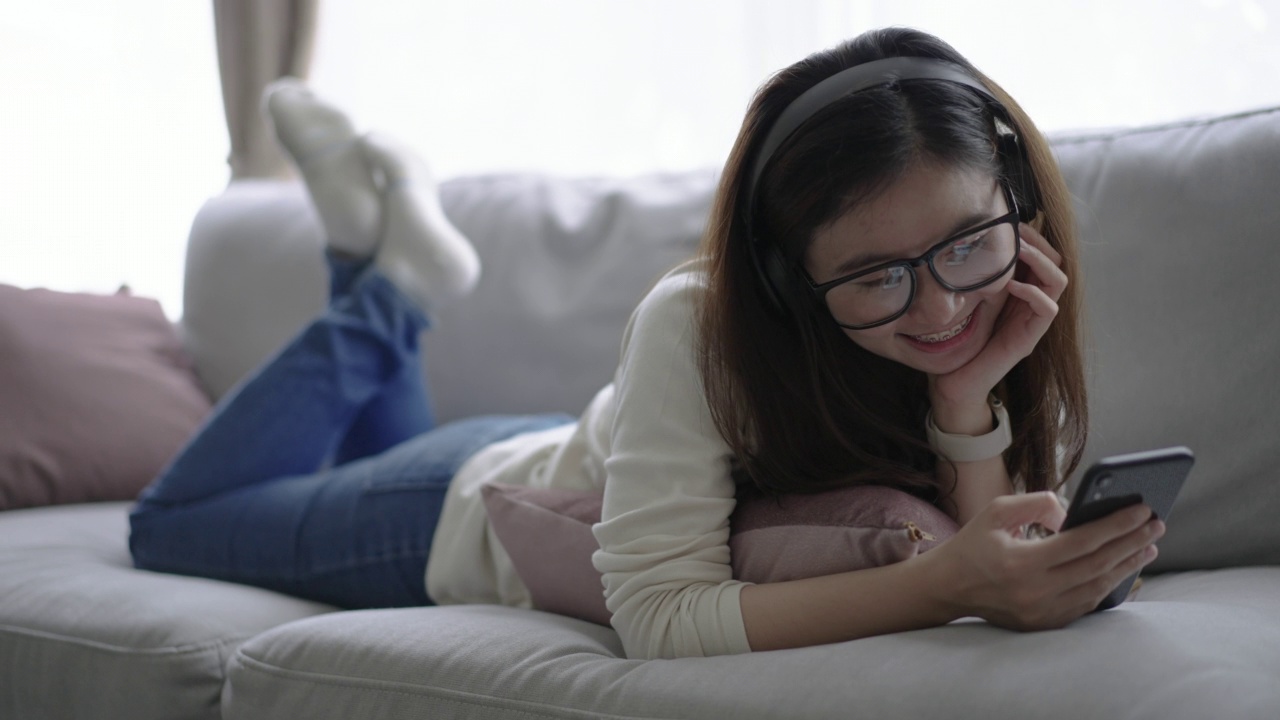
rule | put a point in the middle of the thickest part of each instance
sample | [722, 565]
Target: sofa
[1179, 227]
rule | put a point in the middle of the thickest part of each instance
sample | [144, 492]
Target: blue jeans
[322, 475]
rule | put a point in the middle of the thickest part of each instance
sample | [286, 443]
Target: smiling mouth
[945, 334]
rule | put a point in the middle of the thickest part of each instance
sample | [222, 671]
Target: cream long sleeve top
[648, 440]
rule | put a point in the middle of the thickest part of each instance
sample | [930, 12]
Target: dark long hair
[802, 406]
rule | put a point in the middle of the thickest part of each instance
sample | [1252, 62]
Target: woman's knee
[143, 520]
[151, 537]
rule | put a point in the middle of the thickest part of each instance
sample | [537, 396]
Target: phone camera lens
[1104, 482]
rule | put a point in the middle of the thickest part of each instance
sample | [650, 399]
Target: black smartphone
[1153, 477]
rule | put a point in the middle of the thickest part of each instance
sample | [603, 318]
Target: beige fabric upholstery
[565, 260]
[1177, 223]
[1180, 227]
[84, 635]
[1191, 648]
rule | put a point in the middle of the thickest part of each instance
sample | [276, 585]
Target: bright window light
[114, 132]
[113, 135]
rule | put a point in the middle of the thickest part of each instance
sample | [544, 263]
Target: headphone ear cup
[1022, 180]
[776, 270]
[771, 271]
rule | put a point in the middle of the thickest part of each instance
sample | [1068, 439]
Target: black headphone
[768, 260]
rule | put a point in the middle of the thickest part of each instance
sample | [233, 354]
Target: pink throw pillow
[547, 533]
[96, 395]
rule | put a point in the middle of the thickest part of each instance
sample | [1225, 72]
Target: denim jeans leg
[288, 417]
[401, 410]
[343, 272]
[355, 536]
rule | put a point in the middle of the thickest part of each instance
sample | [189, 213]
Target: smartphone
[1153, 477]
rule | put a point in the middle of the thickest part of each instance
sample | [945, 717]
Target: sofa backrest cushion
[565, 261]
[1177, 224]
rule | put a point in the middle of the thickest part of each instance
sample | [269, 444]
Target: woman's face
[941, 330]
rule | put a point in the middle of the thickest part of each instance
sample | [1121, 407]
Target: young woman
[882, 297]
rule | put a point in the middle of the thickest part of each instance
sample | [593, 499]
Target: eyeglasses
[964, 262]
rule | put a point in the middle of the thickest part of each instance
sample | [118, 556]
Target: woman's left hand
[1031, 307]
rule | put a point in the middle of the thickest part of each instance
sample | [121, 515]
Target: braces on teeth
[947, 335]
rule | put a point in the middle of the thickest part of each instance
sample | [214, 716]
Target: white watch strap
[970, 448]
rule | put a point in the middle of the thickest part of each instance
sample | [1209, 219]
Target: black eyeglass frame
[820, 290]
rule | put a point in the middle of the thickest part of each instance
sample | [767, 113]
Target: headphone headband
[848, 82]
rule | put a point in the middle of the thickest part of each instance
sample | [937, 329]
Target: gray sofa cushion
[1178, 225]
[1181, 230]
[1193, 647]
[84, 635]
[565, 261]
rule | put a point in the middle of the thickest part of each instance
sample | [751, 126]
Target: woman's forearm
[973, 485]
[909, 595]
[976, 485]
[981, 572]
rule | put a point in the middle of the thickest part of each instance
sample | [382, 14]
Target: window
[113, 135]
[114, 132]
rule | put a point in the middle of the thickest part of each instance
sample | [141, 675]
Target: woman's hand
[992, 573]
[1031, 307]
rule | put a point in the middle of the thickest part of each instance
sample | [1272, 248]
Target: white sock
[421, 251]
[322, 142]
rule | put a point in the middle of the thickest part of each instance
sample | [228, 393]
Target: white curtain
[114, 131]
[258, 42]
[589, 86]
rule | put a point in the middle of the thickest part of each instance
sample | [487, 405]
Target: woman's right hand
[1041, 584]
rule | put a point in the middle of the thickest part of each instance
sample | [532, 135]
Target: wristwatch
[971, 448]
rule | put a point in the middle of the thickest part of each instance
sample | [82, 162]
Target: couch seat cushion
[83, 634]
[1195, 645]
